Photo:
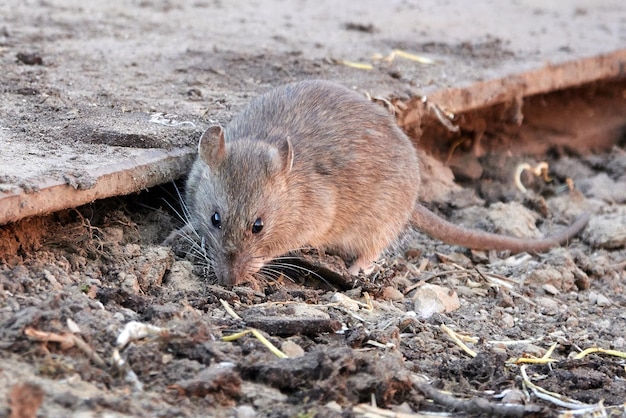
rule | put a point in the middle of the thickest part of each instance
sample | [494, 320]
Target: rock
[607, 230]
[507, 320]
[429, 299]
[245, 411]
[345, 301]
[181, 276]
[391, 293]
[514, 219]
[151, 265]
[292, 349]
[437, 180]
[514, 396]
[603, 300]
[550, 289]
[603, 187]
[549, 305]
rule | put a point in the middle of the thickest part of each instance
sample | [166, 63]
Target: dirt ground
[98, 319]
[72, 281]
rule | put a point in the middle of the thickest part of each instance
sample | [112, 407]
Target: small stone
[547, 275]
[73, 326]
[54, 283]
[345, 301]
[534, 350]
[129, 282]
[507, 321]
[333, 406]
[292, 349]
[504, 299]
[479, 257]
[181, 277]
[572, 322]
[391, 293]
[601, 186]
[403, 408]
[499, 349]
[607, 230]
[550, 289]
[513, 219]
[549, 305]
[603, 300]
[429, 299]
[245, 411]
[151, 266]
[514, 396]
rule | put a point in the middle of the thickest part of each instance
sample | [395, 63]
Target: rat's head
[236, 201]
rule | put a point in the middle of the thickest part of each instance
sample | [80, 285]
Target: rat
[315, 164]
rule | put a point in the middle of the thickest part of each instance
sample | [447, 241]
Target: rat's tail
[426, 221]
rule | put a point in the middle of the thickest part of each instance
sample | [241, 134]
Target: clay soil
[98, 318]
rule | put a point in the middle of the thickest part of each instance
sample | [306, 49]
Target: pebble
[514, 396]
[601, 186]
[391, 293]
[607, 230]
[550, 289]
[345, 301]
[430, 299]
[549, 305]
[292, 349]
[507, 321]
[245, 411]
[602, 300]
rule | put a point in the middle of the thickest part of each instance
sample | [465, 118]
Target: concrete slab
[106, 99]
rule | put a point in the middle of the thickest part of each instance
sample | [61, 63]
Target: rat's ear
[286, 152]
[212, 148]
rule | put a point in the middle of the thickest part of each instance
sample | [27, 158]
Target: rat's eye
[257, 226]
[216, 220]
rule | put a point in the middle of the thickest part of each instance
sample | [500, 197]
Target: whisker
[297, 269]
[271, 274]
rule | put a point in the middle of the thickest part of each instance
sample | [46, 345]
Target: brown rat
[315, 164]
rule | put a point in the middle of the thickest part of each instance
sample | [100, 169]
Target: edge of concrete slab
[153, 167]
[549, 78]
[157, 166]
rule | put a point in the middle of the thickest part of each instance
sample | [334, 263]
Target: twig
[555, 398]
[476, 405]
[599, 350]
[533, 360]
[260, 337]
[370, 411]
[67, 340]
[230, 310]
[458, 341]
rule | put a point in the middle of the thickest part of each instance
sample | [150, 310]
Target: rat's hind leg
[365, 266]
[363, 263]
[369, 249]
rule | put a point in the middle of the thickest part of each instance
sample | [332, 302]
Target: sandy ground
[72, 282]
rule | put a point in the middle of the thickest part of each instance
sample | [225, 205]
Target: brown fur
[322, 167]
